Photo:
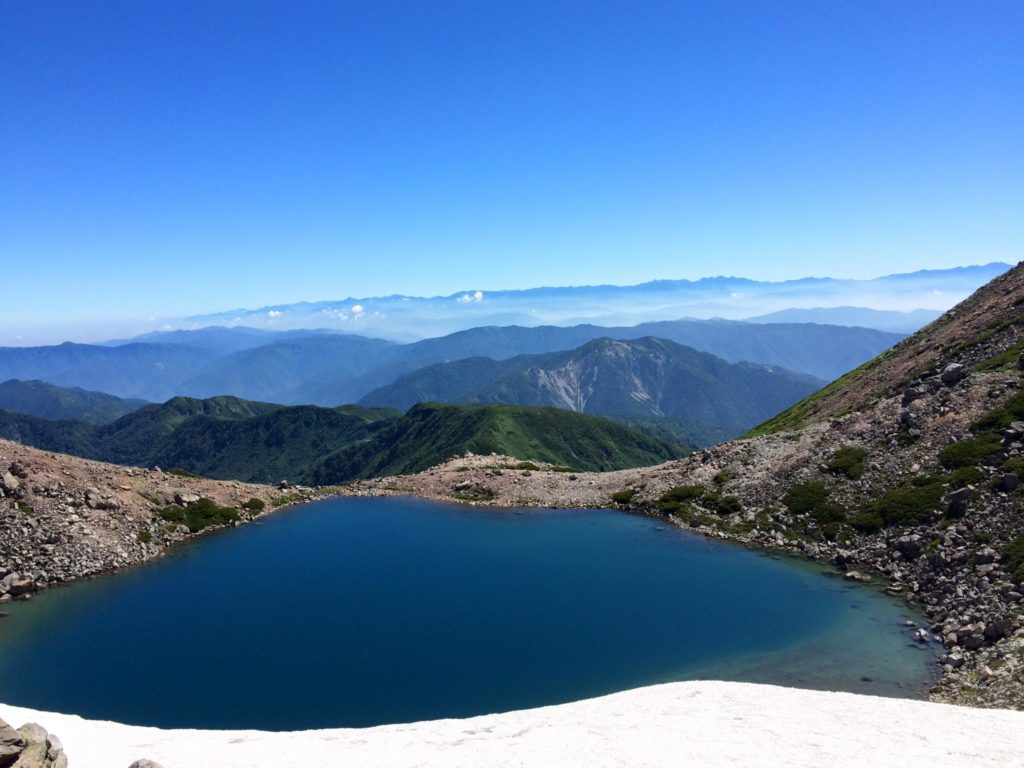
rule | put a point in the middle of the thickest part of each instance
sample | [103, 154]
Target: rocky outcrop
[63, 518]
[30, 747]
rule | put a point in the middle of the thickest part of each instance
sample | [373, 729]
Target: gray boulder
[10, 484]
[37, 747]
[11, 745]
[952, 374]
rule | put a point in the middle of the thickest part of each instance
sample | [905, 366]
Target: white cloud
[335, 314]
[936, 292]
[470, 298]
[357, 309]
[273, 314]
[735, 295]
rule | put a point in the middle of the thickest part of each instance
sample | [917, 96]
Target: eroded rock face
[30, 747]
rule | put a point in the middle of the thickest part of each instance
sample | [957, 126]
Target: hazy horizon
[172, 161]
[348, 315]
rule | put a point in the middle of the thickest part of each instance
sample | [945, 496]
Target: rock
[909, 546]
[997, 630]
[1009, 482]
[910, 394]
[953, 374]
[37, 747]
[958, 501]
[857, 576]
[21, 585]
[11, 745]
[184, 499]
[974, 641]
[145, 764]
[10, 484]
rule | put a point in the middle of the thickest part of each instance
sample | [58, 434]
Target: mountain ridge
[639, 378]
[329, 369]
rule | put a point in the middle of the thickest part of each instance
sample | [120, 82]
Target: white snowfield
[700, 724]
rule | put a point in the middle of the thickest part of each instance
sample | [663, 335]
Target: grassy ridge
[431, 433]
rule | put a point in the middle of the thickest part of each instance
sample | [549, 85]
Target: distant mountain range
[643, 379]
[229, 438]
[666, 390]
[897, 322]
[330, 368]
[410, 317]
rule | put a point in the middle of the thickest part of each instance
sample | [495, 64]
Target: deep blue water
[353, 612]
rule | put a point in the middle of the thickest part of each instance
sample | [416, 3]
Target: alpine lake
[353, 612]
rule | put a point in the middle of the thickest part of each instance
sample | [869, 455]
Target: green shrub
[675, 500]
[1001, 418]
[180, 472]
[833, 532]
[965, 476]
[1014, 464]
[682, 493]
[725, 505]
[970, 452]
[904, 437]
[527, 465]
[24, 507]
[1010, 358]
[909, 504]
[199, 515]
[1013, 559]
[723, 477]
[848, 461]
[814, 500]
[145, 536]
[254, 505]
[624, 497]
[867, 521]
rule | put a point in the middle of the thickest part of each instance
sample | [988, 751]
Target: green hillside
[223, 437]
[432, 433]
[39, 398]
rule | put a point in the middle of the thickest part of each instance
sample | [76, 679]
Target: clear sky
[172, 158]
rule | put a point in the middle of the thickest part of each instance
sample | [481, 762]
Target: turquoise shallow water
[354, 612]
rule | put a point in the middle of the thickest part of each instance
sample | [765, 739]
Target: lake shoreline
[455, 481]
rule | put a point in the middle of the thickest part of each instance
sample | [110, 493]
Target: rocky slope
[907, 472]
[63, 518]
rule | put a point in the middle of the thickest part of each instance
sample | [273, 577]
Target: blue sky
[175, 158]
